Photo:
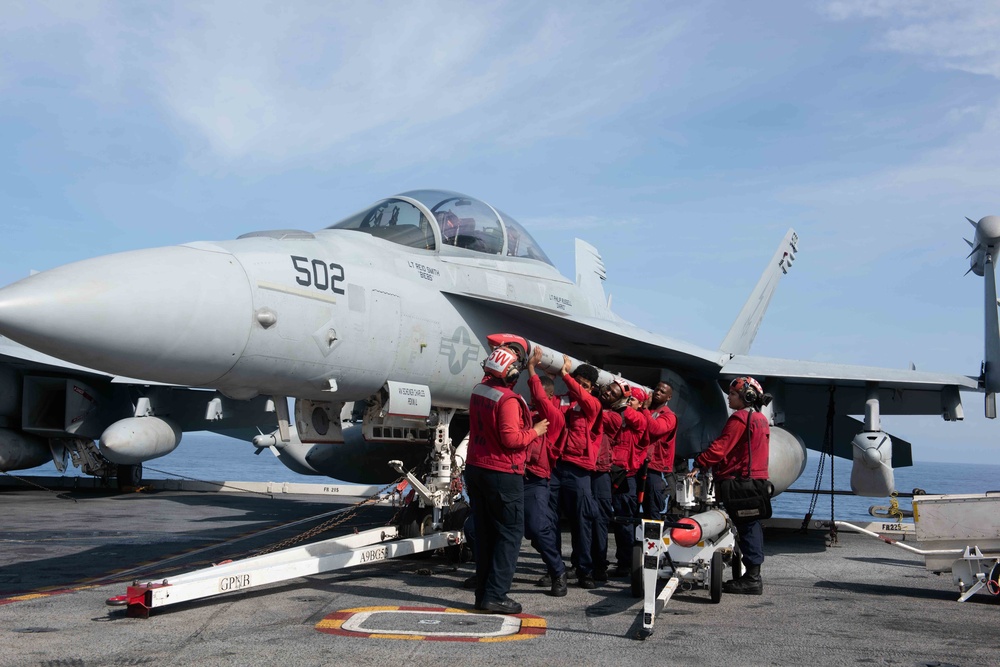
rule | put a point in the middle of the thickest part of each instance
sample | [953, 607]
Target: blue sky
[681, 139]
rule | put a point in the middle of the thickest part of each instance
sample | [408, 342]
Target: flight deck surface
[62, 556]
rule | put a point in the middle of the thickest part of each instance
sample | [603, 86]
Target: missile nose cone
[177, 315]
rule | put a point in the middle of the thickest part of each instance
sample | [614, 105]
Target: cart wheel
[737, 564]
[637, 570]
[128, 477]
[715, 587]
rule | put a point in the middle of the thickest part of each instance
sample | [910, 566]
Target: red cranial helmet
[503, 363]
[748, 389]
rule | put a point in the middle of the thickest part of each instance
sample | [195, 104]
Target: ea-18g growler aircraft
[376, 327]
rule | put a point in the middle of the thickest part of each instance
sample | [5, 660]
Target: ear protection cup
[749, 390]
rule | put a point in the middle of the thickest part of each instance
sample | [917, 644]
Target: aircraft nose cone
[177, 315]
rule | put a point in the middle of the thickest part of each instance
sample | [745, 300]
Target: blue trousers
[555, 507]
[751, 539]
[605, 510]
[625, 505]
[497, 500]
[659, 486]
[540, 524]
[576, 500]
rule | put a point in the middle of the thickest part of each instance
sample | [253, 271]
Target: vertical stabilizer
[744, 329]
[590, 277]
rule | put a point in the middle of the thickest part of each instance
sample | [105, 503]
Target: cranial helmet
[503, 363]
[748, 389]
[625, 387]
[626, 392]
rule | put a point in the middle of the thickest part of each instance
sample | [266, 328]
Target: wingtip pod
[982, 262]
[991, 360]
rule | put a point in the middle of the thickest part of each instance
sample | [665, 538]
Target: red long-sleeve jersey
[499, 428]
[727, 455]
[540, 451]
[627, 443]
[579, 444]
[661, 435]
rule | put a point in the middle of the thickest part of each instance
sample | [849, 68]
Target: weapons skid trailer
[690, 554]
[370, 546]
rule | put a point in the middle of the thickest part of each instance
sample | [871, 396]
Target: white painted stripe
[508, 625]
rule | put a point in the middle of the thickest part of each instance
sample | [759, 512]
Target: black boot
[749, 584]
[558, 589]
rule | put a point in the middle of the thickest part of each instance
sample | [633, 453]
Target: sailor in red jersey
[601, 483]
[541, 526]
[661, 432]
[500, 432]
[626, 451]
[577, 456]
[737, 453]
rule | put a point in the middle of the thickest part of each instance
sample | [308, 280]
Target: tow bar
[338, 553]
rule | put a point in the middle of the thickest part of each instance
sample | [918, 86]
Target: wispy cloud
[958, 34]
[274, 82]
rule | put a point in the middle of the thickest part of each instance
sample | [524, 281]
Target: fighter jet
[376, 327]
[107, 426]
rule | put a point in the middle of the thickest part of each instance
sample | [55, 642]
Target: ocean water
[932, 477]
[207, 456]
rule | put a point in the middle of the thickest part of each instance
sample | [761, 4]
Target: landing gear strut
[129, 477]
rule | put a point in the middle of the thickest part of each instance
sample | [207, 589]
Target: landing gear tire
[128, 477]
[455, 520]
[413, 522]
[715, 577]
[637, 571]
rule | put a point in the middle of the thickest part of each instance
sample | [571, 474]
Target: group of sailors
[576, 457]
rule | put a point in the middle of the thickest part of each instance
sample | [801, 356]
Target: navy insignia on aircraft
[460, 350]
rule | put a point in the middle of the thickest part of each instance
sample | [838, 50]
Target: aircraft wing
[595, 340]
[813, 372]
[910, 392]
[187, 407]
[26, 358]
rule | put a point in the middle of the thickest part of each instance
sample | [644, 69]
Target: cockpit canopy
[436, 219]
